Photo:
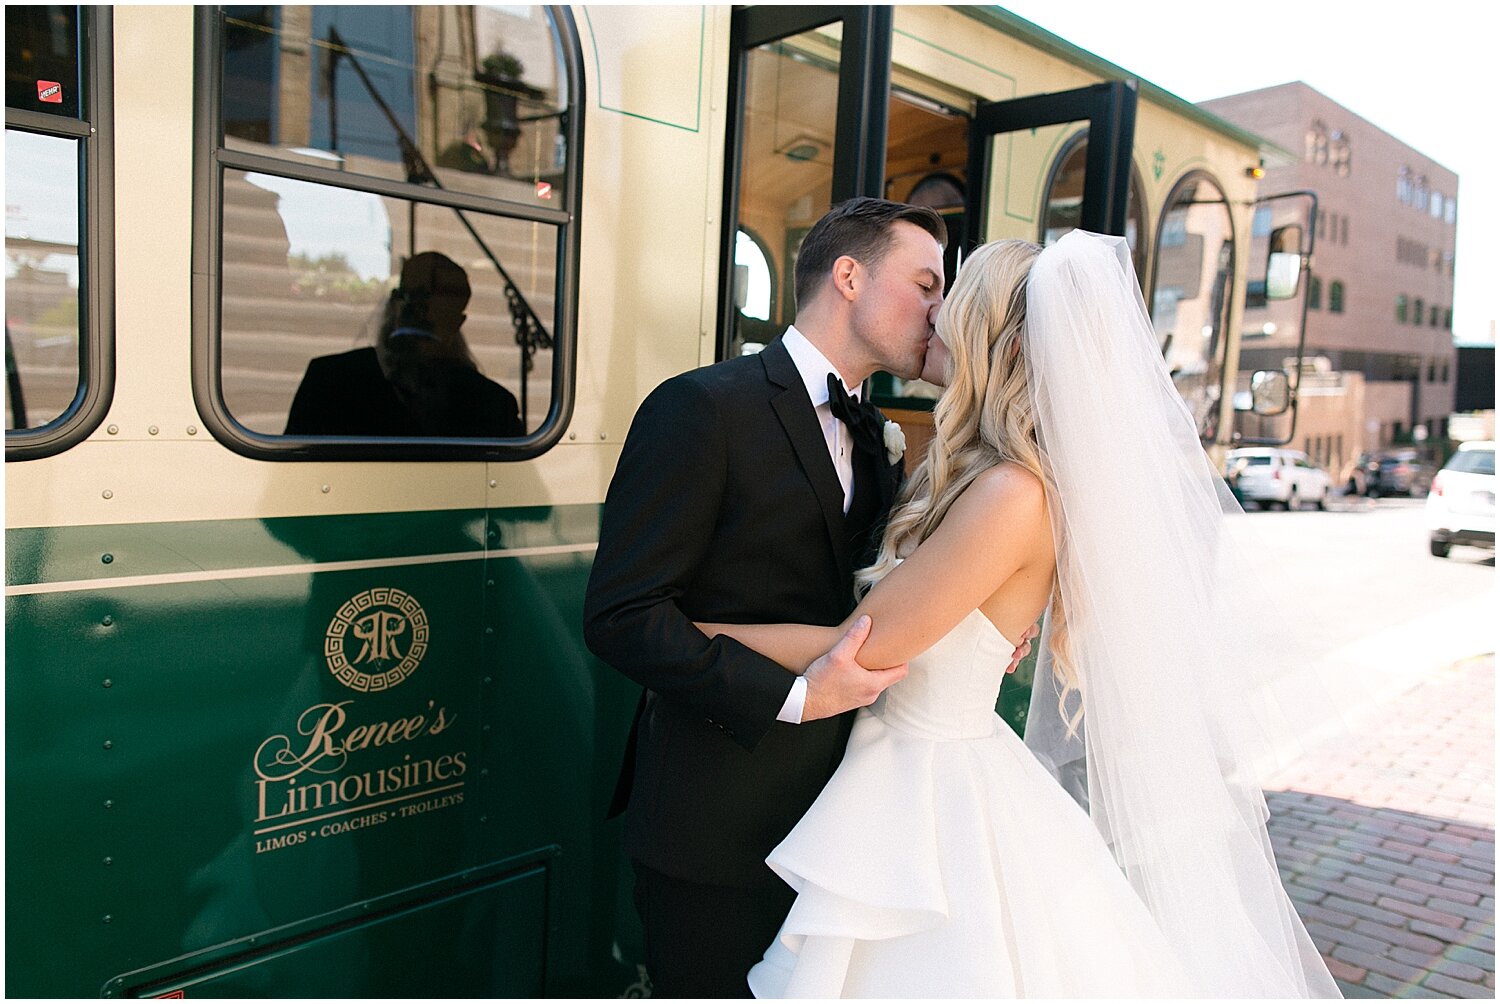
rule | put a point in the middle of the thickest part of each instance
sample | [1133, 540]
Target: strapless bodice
[950, 689]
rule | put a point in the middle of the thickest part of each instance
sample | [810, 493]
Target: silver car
[1461, 503]
[1272, 477]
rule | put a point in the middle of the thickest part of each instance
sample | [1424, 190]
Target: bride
[944, 858]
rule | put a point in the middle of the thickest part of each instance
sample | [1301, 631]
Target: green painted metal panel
[341, 954]
[216, 754]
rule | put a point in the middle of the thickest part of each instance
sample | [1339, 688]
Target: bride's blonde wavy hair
[985, 417]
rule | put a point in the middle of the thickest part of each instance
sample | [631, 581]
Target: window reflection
[754, 282]
[1063, 207]
[354, 314]
[465, 98]
[42, 268]
[1190, 301]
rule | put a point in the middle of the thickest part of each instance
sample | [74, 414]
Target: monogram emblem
[386, 632]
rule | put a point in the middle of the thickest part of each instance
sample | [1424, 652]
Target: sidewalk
[1386, 841]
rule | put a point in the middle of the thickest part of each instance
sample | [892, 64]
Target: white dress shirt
[813, 367]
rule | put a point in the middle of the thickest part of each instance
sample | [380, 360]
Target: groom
[749, 492]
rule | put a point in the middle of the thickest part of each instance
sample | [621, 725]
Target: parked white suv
[1275, 477]
[1461, 504]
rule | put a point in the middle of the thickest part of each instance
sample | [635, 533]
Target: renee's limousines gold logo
[385, 630]
[306, 786]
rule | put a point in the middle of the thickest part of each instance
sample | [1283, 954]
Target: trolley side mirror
[1270, 392]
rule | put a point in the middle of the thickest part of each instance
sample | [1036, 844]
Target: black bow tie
[866, 423]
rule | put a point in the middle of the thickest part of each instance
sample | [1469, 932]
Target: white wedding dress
[942, 860]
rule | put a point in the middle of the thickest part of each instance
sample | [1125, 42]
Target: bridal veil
[1181, 695]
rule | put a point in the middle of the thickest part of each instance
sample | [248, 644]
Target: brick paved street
[1386, 841]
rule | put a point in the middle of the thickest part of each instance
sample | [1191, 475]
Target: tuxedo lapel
[890, 483]
[891, 473]
[800, 423]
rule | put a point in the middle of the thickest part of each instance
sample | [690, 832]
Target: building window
[1344, 230]
[1338, 154]
[1401, 308]
[1432, 371]
[1416, 312]
[58, 270]
[1445, 371]
[1447, 318]
[1433, 316]
[426, 218]
[1316, 143]
[1314, 292]
[1450, 210]
[1435, 209]
[1336, 297]
[1403, 186]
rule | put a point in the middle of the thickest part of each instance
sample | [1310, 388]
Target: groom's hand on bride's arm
[1023, 649]
[837, 683]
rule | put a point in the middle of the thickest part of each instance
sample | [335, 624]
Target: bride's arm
[997, 526]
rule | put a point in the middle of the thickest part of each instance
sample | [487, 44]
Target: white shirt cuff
[796, 700]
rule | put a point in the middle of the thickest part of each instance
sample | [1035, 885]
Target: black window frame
[94, 131]
[211, 159]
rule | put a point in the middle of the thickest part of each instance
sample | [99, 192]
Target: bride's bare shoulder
[1005, 489]
[1003, 511]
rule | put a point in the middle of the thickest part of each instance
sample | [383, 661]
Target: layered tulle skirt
[941, 867]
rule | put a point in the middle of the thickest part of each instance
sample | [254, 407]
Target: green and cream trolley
[309, 714]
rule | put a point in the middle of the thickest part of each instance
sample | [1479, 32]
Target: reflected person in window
[419, 379]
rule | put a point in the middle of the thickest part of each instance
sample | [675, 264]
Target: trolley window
[1063, 205]
[58, 342]
[1190, 298]
[389, 205]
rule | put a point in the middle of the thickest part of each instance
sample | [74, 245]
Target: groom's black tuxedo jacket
[725, 507]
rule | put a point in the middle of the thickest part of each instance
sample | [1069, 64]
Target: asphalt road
[1377, 611]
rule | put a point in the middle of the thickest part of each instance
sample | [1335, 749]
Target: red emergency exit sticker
[544, 189]
[174, 995]
[49, 92]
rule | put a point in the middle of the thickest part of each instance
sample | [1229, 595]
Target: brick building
[1380, 363]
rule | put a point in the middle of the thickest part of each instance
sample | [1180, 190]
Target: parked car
[1461, 504]
[1398, 472]
[1270, 477]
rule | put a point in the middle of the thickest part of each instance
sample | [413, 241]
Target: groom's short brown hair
[861, 229]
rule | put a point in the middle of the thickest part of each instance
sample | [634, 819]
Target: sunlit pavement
[1386, 841]
[1369, 608]
[1384, 827]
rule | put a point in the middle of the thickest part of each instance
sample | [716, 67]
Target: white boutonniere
[895, 442]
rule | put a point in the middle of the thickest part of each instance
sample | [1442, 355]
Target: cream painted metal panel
[153, 226]
[647, 293]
